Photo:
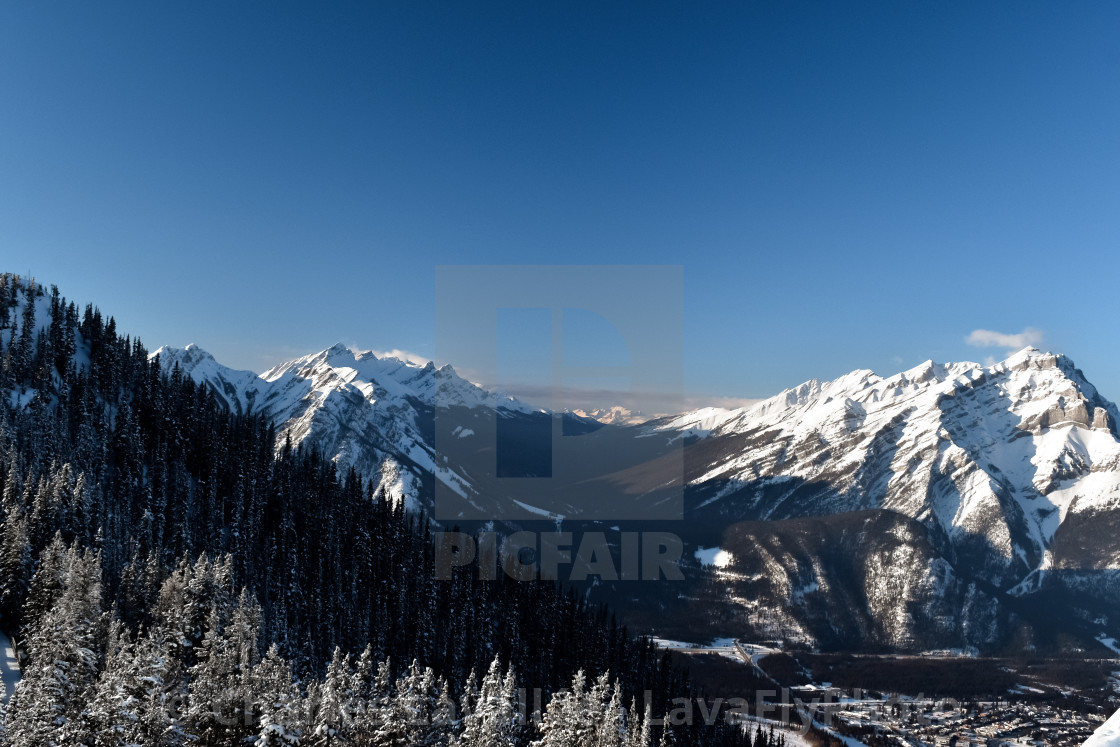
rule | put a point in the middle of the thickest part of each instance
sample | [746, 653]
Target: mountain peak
[1033, 358]
[338, 349]
[1030, 352]
[187, 357]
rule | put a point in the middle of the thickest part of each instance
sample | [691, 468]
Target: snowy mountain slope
[369, 413]
[994, 459]
[1011, 471]
[384, 416]
[1108, 735]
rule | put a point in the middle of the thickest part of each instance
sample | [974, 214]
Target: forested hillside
[172, 580]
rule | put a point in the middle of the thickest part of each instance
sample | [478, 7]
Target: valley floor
[878, 701]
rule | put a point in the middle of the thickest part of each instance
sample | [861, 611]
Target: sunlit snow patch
[714, 556]
[1108, 735]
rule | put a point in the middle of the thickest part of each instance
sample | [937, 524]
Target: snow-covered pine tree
[641, 731]
[364, 672]
[408, 719]
[570, 719]
[515, 731]
[191, 599]
[46, 585]
[130, 704]
[371, 710]
[160, 675]
[113, 707]
[444, 722]
[494, 717]
[611, 730]
[334, 714]
[63, 649]
[363, 709]
[277, 698]
[15, 567]
[218, 707]
[468, 702]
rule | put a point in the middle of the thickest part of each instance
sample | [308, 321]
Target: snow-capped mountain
[1010, 473]
[1000, 454]
[384, 416]
[369, 413]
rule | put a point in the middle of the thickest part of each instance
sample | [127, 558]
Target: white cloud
[986, 338]
[402, 355]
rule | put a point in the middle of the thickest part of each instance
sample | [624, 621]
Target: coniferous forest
[170, 577]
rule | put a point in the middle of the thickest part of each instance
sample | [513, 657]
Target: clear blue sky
[846, 185]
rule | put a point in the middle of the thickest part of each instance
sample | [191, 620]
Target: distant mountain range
[369, 413]
[939, 506]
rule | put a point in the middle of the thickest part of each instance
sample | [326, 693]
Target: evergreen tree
[15, 568]
[334, 716]
[63, 651]
[407, 720]
[569, 720]
[444, 724]
[278, 700]
[641, 735]
[494, 718]
[130, 703]
[46, 585]
[611, 730]
[219, 711]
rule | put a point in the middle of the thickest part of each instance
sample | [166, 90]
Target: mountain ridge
[1012, 470]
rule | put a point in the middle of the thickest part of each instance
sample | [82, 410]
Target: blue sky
[846, 185]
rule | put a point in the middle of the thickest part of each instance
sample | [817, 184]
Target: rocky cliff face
[874, 577]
